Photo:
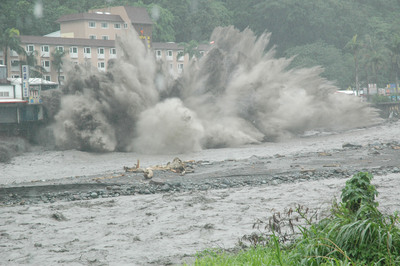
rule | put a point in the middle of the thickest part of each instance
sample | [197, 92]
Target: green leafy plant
[359, 191]
[354, 233]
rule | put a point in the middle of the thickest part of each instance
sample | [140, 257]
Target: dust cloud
[237, 93]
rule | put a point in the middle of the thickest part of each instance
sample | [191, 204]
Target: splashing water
[237, 94]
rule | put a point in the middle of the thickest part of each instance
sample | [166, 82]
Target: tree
[394, 51]
[35, 70]
[163, 27]
[374, 60]
[57, 62]
[9, 40]
[190, 48]
[204, 17]
[337, 66]
[354, 46]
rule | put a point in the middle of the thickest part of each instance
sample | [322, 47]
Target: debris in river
[176, 166]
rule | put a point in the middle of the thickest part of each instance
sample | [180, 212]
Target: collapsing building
[20, 103]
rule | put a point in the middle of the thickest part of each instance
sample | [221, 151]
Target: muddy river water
[78, 208]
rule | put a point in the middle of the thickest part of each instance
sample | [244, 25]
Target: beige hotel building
[90, 38]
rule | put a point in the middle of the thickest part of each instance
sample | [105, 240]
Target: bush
[355, 233]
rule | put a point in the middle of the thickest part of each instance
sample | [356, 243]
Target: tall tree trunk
[5, 51]
[357, 84]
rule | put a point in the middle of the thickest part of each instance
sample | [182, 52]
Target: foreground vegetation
[355, 233]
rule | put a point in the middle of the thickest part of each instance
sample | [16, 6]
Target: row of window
[87, 52]
[104, 25]
[45, 49]
[103, 37]
[169, 55]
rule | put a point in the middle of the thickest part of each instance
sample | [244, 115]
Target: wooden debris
[148, 173]
[176, 166]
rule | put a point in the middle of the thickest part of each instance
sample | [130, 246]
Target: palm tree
[394, 48]
[35, 70]
[354, 47]
[9, 40]
[57, 62]
[374, 58]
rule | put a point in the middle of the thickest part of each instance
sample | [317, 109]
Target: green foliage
[163, 27]
[356, 233]
[57, 62]
[337, 65]
[379, 98]
[253, 256]
[359, 191]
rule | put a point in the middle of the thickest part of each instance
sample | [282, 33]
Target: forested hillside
[339, 35]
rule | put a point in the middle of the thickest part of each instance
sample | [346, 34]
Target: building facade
[89, 38]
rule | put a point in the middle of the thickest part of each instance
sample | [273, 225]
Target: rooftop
[138, 15]
[90, 16]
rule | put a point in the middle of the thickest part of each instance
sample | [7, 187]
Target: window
[1, 62]
[113, 52]
[15, 65]
[4, 94]
[30, 48]
[48, 78]
[169, 55]
[117, 25]
[60, 48]
[73, 52]
[180, 56]
[92, 37]
[125, 25]
[104, 37]
[101, 66]
[92, 24]
[46, 65]
[158, 54]
[100, 52]
[104, 25]
[45, 51]
[180, 68]
[87, 52]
